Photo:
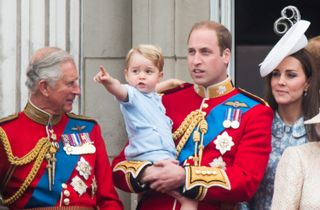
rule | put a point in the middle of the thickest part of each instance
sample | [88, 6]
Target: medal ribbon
[41, 196]
[215, 127]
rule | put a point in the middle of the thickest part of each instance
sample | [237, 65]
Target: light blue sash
[65, 165]
[215, 119]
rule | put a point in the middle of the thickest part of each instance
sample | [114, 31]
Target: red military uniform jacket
[234, 129]
[34, 173]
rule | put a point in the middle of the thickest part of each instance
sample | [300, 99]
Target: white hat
[314, 120]
[293, 40]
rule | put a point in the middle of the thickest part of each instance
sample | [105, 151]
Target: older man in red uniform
[222, 135]
[50, 158]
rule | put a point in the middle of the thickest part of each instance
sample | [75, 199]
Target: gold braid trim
[25, 159]
[128, 176]
[38, 153]
[207, 177]
[201, 194]
[186, 128]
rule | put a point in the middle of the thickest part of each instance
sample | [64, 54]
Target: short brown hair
[223, 34]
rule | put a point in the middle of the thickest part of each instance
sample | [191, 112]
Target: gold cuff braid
[206, 177]
[131, 169]
[134, 167]
[37, 154]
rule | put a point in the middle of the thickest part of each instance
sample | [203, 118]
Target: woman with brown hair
[292, 91]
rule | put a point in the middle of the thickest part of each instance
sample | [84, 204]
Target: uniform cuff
[200, 178]
[132, 171]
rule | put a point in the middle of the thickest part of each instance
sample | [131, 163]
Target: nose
[196, 59]
[76, 90]
[142, 75]
[282, 80]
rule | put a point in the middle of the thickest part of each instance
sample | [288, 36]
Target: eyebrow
[291, 70]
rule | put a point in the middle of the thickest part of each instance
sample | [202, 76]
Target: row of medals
[83, 167]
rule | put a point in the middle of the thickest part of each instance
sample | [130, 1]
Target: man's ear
[226, 54]
[43, 87]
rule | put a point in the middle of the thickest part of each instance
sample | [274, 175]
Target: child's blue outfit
[148, 127]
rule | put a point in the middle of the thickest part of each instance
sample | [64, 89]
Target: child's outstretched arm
[111, 84]
[168, 84]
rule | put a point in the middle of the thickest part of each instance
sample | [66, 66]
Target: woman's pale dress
[297, 181]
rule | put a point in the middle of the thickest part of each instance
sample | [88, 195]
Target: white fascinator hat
[292, 41]
[314, 120]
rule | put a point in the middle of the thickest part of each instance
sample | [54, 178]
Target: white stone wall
[26, 26]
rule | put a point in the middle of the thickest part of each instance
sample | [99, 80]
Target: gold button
[64, 185]
[66, 193]
[66, 201]
[205, 105]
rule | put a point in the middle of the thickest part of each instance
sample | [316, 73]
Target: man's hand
[164, 176]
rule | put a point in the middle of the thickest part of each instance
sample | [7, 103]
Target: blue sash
[215, 119]
[65, 165]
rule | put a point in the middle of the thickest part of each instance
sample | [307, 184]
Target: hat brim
[293, 40]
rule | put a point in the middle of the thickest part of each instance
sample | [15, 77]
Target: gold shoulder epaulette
[257, 98]
[80, 117]
[9, 118]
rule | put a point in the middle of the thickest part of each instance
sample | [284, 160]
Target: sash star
[84, 168]
[78, 185]
[218, 163]
[223, 142]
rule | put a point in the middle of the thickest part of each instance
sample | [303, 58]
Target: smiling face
[207, 65]
[62, 94]
[288, 82]
[142, 73]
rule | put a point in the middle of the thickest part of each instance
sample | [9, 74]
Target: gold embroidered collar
[215, 90]
[38, 115]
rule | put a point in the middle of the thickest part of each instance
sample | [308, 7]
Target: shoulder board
[80, 117]
[9, 118]
[176, 89]
[257, 98]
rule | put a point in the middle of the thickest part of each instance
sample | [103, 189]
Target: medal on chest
[232, 118]
[223, 142]
[78, 144]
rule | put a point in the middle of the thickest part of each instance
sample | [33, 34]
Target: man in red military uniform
[222, 135]
[50, 157]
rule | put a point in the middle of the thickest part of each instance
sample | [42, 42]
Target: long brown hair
[310, 102]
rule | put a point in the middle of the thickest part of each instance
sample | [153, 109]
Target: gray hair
[45, 65]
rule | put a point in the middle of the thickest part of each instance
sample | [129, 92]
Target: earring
[305, 93]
